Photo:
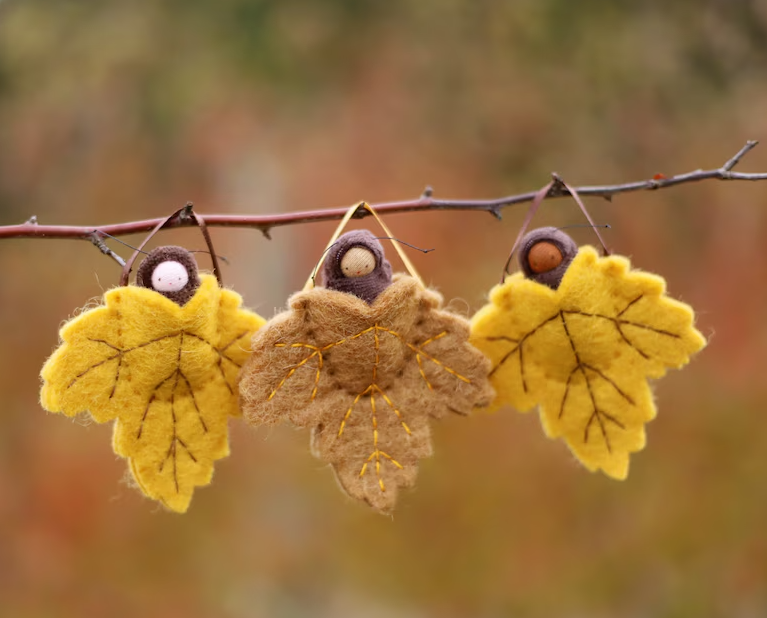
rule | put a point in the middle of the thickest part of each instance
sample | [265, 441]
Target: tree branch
[264, 223]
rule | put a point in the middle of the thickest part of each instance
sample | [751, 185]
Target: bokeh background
[112, 111]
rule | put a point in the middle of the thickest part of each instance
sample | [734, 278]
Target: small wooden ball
[358, 262]
[169, 276]
[543, 257]
[171, 271]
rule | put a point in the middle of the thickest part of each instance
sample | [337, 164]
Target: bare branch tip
[750, 145]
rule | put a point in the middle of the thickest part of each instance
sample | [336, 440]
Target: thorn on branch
[31, 221]
[360, 212]
[496, 212]
[428, 191]
[185, 212]
[558, 187]
[267, 232]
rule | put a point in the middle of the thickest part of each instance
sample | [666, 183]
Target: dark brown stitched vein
[628, 341]
[237, 338]
[567, 391]
[519, 347]
[627, 307]
[623, 322]
[609, 381]
[117, 376]
[106, 360]
[194, 401]
[152, 398]
[106, 343]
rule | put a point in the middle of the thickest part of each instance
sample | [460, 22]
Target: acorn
[356, 264]
[545, 254]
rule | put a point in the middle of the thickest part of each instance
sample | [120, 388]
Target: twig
[98, 240]
[264, 223]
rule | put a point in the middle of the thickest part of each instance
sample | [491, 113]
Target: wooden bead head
[171, 271]
[545, 254]
[356, 264]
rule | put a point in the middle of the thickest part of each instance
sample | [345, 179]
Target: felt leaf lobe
[167, 374]
[583, 353]
[366, 378]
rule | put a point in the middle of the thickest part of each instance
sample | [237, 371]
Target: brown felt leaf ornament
[161, 359]
[579, 335]
[365, 362]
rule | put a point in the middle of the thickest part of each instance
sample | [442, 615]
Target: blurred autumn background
[112, 111]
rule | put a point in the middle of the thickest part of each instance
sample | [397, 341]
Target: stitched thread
[598, 415]
[372, 389]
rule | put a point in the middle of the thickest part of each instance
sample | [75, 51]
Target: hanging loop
[553, 188]
[185, 212]
[537, 200]
[582, 206]
[342, 225]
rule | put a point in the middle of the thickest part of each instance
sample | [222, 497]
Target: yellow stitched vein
[351, 407]
[291, 372]
[418, 350]
[393, 407]
[423, 374]
[372, 388]
[434, 338]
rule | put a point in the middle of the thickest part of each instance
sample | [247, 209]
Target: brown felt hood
[170, 253]
[367, 287]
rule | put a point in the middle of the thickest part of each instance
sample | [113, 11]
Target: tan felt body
[366, 379]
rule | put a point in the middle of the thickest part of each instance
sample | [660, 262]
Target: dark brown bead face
[171, 271]
[356, 265]
[545, 254]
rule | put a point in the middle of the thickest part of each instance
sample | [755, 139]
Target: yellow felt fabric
[166, 374]
[583, 353]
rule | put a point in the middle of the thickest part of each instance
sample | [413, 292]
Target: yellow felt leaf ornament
[365, 362]
[161, 359]
[578, 335]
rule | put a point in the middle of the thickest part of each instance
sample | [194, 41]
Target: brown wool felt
[566, 245]
[366, 378]
[367, 287]
[167, 254]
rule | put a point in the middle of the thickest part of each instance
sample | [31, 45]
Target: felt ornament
[161, 359]
[364, 362]
[578, 335]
